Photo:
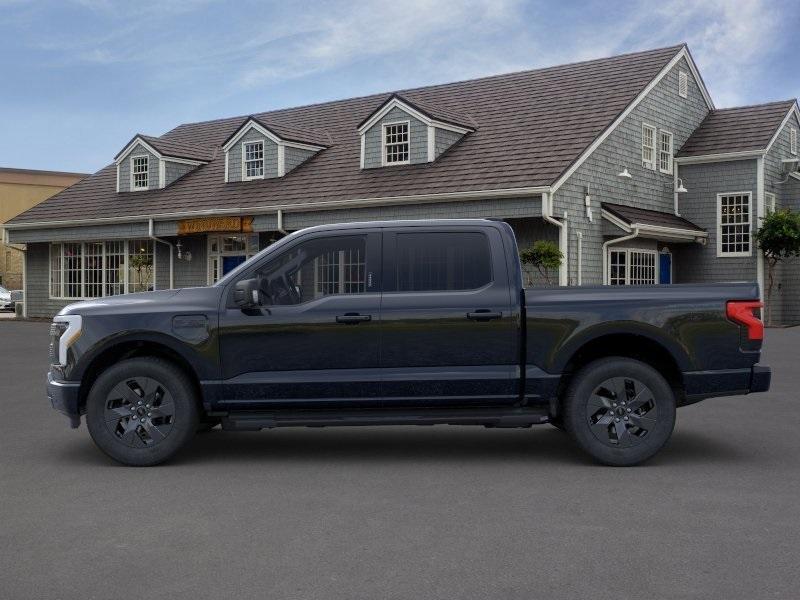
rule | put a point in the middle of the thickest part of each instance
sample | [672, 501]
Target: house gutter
[563, 240]
[307, 207]
[152, 236]
[609, 243]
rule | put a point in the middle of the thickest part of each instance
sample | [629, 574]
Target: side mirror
[246, 293]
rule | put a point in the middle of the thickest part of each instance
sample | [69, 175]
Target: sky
[80, 78]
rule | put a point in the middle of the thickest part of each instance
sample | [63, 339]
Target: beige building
[21, 189]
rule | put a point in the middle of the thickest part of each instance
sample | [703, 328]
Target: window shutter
[683, 84]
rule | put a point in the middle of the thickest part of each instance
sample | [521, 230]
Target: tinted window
[429, 262]
[316, 268]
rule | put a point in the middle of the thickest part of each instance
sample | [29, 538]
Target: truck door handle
[483, 314]
[353, 318]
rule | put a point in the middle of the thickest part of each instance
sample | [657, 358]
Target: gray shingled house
[623, 161]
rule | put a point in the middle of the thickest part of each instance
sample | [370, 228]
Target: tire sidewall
[579, 392]
[186, 412]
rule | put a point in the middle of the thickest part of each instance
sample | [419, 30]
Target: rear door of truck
[448, 332]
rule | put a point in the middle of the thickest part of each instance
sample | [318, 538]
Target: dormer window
[140, 177]
[253, 160]
[396, 143]
[401, 132]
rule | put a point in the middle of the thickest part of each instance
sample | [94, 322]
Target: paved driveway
[401, 513]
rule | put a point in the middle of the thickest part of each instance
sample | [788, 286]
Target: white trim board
[683, 53]
[722, 157]
[252, 124]
[138, 140]
[397, 103]
[792, 111]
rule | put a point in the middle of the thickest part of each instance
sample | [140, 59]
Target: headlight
[64, 331]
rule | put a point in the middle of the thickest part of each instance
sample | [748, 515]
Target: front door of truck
[315, 338]
[449, 335]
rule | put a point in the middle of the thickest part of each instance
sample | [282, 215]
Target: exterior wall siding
[784, 307]
[649, 189]
[79, 234]
[294, 157]
[444, 139]
[174, 171]
[125, 169]
[418, 138]
[693, 263]
[37, 287]
[270, 156]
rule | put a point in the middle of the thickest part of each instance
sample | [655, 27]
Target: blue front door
[665, 268]
[229, 263]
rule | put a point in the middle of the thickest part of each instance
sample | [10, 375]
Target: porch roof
[652, 223]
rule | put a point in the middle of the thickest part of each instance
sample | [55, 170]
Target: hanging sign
[211, 224]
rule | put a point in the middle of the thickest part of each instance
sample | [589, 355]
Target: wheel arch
[133, 346]
[654, 351]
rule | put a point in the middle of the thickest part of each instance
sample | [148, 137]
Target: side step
[488, 417]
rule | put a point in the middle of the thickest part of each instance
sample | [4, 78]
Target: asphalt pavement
[401, 513]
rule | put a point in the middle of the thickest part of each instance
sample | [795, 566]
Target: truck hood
[187, 299]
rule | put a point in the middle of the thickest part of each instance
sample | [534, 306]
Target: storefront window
[81, 270]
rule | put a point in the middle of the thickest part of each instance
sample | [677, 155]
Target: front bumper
[63, 395]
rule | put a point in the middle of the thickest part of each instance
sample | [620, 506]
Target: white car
[5, 299]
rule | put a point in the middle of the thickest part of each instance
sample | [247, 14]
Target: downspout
[547, 211]
[580, 257]
[151, 235]
[611, 243]
[280, 222]
[675, 187]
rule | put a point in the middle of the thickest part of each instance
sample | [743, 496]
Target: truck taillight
[743, 313]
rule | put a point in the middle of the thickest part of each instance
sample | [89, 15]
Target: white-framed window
[253, 160]
[629, 266]
[792, 140]
[396, 143]
[227, 251]
[665, 152]
[648, 146]
[683, 84]
[734, 218]
[140, 172]
[80, 270]
[769, 200]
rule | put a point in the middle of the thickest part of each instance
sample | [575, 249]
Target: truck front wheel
[619, 410]
[141, 411]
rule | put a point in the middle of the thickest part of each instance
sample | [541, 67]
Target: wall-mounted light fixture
[187, 256]
[680, 189]
[624, 173]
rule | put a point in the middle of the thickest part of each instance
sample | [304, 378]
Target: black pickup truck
[404, 322]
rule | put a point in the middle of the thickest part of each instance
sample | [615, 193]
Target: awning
[652, 223]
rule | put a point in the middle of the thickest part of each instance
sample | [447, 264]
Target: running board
[488, 417]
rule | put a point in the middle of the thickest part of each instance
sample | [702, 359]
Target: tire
[619, 410]
[135, 389]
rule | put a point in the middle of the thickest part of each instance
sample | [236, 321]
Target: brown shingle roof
[287, 132]
[631, 215]
[174, 149]
[434, 112]
[736, 129]
[530, 127]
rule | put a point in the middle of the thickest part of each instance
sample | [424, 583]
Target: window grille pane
[73, 270]
[115, 268]
[254, 159]
[648, 146]
[140, 266]
[617, 265]
[665, 153]
[734, 230]
[55, 270]
[140, 171]
[442, 261]
[93, 270]
[397, 146]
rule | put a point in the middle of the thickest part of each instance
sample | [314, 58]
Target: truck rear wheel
[619, 410]
[141, 411]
